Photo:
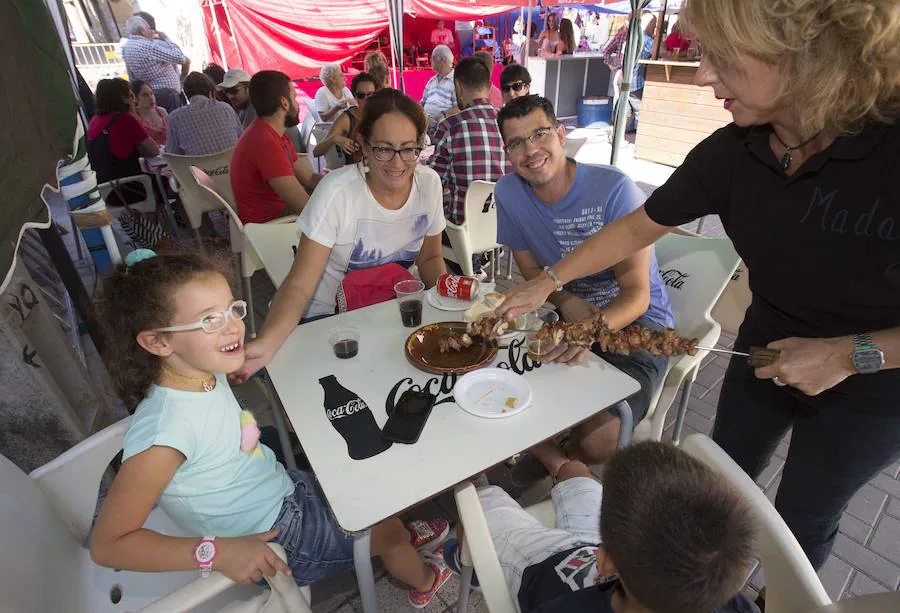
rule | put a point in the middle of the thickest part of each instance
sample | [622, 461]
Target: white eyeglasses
[212, 322]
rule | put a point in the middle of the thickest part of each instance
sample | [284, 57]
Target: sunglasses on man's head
[363, 95]
[515, 86]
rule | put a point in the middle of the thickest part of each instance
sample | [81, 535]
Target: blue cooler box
[595, 111]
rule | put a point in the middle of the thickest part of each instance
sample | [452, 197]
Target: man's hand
[810, 365]
[526, 297]
[248, 559]
[256, 356]
[573, 310]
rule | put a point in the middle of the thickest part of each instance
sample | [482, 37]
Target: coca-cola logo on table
[345, 410]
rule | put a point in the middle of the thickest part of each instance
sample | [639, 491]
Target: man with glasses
[268, 178]
[515, 82]
[545, 210]
[468, 146]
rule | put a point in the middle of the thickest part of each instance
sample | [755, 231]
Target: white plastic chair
[147, 205]
[574, 145]
[478, 231]
[695, 270]
[216, 167]
[275, 245]
[45, 519]
[732, 305]
[315, 129]
[792, 585]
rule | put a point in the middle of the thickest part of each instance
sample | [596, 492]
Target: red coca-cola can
[457, 286]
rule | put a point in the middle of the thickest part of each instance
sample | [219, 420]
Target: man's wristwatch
[204, 554]
[867, 358]
[553, 277]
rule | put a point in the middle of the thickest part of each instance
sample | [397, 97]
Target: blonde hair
[839, 59]
[376, 65]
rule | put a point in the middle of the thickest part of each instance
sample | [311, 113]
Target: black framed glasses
[363, 95]
[515, 86]
[232, 91]
[517, 145]
[386, 154]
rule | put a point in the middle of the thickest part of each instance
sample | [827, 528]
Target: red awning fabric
[298, 36]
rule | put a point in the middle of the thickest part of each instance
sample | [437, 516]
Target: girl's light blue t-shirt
[219, 490]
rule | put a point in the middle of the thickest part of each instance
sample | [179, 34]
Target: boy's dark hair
[513, 73]
[520, 107]
[390, 100]
[215, 72]
[363, 77]
[142, 298]
[267, 88]
[198, 84]
[487, 57]
[150, 19]
[679, 535]
[112, 96]
[472, 74]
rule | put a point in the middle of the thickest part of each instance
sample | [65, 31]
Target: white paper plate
[485, 392]
[447, 304]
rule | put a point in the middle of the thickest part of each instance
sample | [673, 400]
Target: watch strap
[867, 358]
[203, 563]
[863, 341]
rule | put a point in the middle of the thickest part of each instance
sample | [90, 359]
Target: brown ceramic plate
[423, 352]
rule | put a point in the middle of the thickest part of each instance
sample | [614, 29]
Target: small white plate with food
[492, 393]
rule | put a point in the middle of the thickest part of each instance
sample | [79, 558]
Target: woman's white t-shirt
[342, 214]
[325, 100]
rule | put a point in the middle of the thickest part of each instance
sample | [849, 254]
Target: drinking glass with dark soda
[409, 299]
[345, 341]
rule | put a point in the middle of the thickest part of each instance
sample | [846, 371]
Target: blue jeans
[837, 445]
[315, 545]
[647, 370]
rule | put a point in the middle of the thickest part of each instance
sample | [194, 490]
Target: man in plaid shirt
[614, 50]
[468, 145]
[151, 57]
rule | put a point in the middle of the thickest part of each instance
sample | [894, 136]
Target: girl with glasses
[173, 330]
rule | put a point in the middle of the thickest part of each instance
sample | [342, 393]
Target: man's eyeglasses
[363, 95]
[517, 145]
[212, 322]
[515, 86]
[232, 91]
[386, 154]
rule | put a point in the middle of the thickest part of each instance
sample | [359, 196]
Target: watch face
[205, 552]
[868, 361]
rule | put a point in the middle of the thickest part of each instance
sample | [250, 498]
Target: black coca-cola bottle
[350, 415]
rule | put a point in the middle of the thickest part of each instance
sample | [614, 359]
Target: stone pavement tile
[862, 585]
[835, 576]
[867, 561]
[893, 470]
[703, 407]
[867, 503]
[854, 528]
[391, 596]
[893, 507]
[332, 593]
[757, 579]
[886, 539]
[450, 594]
[782, 448]
[697, 390]
[698, 422]
[770, 472]
[710, 375]
[885, 483]
[711, 397]
[772, 490]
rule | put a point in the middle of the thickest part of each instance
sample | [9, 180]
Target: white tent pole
[632, 49]
[527, 35]
[212, 9]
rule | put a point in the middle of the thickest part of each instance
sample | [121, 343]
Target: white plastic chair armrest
[72, 480]
[285, 219]
[481, 549]
[201, 590]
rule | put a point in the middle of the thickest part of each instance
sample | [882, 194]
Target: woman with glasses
[343, 132]
[515, 82]
[385, 209]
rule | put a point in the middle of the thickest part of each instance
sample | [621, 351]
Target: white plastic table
[454, 445]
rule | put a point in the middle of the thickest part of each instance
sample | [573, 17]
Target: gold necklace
[208, 384]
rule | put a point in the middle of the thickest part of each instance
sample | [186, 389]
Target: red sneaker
[420, 600]
[427, 532]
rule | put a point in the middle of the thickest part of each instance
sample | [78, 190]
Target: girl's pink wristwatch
[204, 554]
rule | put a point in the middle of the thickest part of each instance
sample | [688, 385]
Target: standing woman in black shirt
[807, 184]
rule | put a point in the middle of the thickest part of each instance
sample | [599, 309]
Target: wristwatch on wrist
[867, 358]
[553, 277]
[204, 554]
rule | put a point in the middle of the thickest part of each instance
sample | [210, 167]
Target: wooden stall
[675, 114]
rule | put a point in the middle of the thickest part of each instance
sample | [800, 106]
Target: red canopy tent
[298, 36]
